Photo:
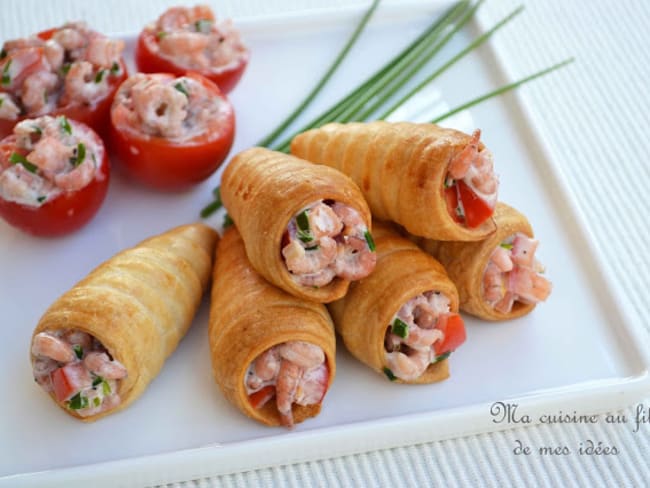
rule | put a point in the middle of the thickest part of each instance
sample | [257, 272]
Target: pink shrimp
[50, 155]
[18, 65]
[71, 37]
[461, 162]
[267, 364]
[351, 219]
[50, 346]
[78, 177]
[42, 368]
[184, 43]
[161, 107]
[303, 261]
[54, 54]
[103, 51]
[312, 386]
[523, 250]
[80, 84]
[501, 258]
[408, 367]
[493, 283]
[100, 364]
[318, 279]
[422, 338]
[79, 338]
[302, 353]
[323, 221]
[354, 259]
[36, 89]
[528, 285]
[8, 108]
[181, 17]
[285, 390]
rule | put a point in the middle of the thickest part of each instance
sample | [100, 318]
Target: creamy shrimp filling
[327, 240]
[292, 372]
[192, 38]
[77, 370]
[46, 157]
[75, 65]
[417, 336]
[513, 274]
[471, 184]
[177, 109]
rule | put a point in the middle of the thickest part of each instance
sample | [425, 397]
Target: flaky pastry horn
[406, 285]
[289, 213]
[405, 173]
[248, 318]
[100, 344]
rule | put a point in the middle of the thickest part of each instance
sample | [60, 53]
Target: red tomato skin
[260, 397]
[476, 209]
[451, 199]
[165, 165]
[64, 214]
[455, 335]
[150, 62]
[62, 388]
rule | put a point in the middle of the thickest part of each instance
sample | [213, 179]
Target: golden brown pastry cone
[248, 315]
[402, 272]
[465, 263]
[400, 168]
[139, 304]
[263, 190]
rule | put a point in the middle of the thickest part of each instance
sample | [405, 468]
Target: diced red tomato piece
[68, 380]
[260, 397]
[476, 209]
[454, 329]
[451, 197]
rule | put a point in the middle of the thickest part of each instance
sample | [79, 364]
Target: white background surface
[593, 118]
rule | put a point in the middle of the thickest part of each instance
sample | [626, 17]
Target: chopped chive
[99, 75]
[400, 328]
[41, 199]
[302, 220]
[37, 129]
[65, 125]
[115, 68]
[96, 401]
[216, 193]
[505, 245]
[65, 68]
[181, 88]
[6, 77]
[369, 240]
[210, 208]
[16, 158]
[78, 350]
[389, 374]
[442, 356]
[80, 155]
[97, 380]
[227, 221]
[3, 53]
[106, 388]
[313, 248]
[161, 34]
[2, 99]
[78, 402]
[204, 26]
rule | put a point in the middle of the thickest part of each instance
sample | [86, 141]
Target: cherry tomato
[260, 397]
[97, 115]
[454, 329]
[66, 212]
[168, 165]
[476, 209]
[148, 60]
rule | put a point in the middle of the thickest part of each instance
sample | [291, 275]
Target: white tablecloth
[594, 118]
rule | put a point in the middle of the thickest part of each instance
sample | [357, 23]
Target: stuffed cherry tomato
[169, 132]
[70, 70]
[190, 39]
[54, 174]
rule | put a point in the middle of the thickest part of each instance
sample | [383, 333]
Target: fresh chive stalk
[501, 90]
[369, 240]
[65, 125]
[16, 158]
[391, 376]
[78, 351]
[328, 74]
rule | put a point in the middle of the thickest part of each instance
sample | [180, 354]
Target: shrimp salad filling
[292, 372]
[416, 337]
[45, 157]
[178, 109]
[193, 39]
[327, 240]
[77, 370]
[471, 184]
[75, 65]
[513, 274]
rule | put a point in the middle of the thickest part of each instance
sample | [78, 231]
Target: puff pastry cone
[498, 278]
[402, 320]
[412, 174]
[306, 228]
[99, 345]
[273, 354]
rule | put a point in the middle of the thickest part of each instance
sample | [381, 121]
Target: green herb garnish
[80, 155]
[115, 68]
[389, 374]
[96, 401]
[78, 402]
[400, 328]
[65, 68]
[313, 248]
[2, 99]
[97, 380]
[215, 205]
[78, 350]
[204, 26]
[37, 129]
[16, 158]
[106, 388]
[6, 77]
[41, 199]
[442, 356]
[3, 53]
[181, 88]
[65, 125]
[99, 75]
[161, 34]
[304, 232]
[505, 245]
[227, 221]
[369, 240]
